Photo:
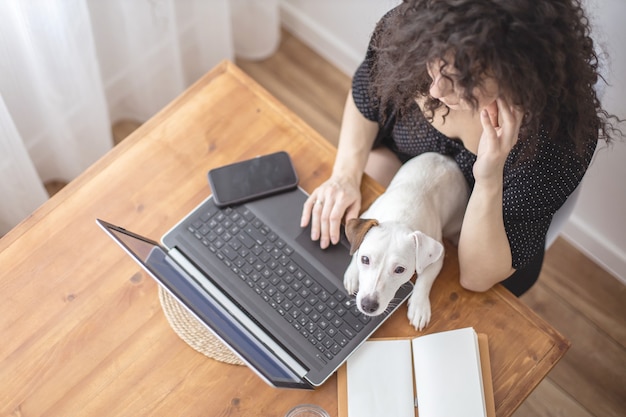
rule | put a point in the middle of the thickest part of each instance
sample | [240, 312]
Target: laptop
[255, 279]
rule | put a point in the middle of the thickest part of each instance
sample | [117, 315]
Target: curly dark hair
[540, 52]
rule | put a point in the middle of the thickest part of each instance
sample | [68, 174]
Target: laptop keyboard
[323, 315]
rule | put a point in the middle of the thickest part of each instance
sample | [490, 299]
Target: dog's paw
[351, 279]
[419, 312]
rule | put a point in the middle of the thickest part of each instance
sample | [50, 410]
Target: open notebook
[440, 374]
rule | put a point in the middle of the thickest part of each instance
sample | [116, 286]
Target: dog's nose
[369, 304]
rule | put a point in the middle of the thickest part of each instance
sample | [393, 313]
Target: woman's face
[444, 88]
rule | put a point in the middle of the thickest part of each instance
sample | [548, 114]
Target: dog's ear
[427, 251]
[356, 230]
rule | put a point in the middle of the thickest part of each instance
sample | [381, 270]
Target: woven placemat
[188, 328]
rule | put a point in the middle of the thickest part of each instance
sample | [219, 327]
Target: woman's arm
[340, 195]
[484, 250]
[355, 142]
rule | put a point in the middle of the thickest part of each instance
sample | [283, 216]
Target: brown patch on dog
[356, 230]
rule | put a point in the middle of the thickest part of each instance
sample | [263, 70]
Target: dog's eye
[365, 260]
[399, 269]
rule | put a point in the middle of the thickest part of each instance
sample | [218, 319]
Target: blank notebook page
[381, 380]
[448, 377]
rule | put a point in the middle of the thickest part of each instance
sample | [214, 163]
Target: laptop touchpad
[336, 257]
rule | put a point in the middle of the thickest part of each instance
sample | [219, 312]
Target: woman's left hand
[484, 249]
[501, 125]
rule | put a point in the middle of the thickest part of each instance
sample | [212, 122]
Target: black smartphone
[253, 178]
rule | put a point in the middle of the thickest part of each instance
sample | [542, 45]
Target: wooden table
[83, 333]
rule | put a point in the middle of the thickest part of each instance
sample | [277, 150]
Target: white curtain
[69, 69]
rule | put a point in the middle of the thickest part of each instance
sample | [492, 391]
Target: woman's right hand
[337, 198]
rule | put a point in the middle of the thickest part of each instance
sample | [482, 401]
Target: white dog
[401, 235]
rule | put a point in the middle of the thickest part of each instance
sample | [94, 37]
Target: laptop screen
[156, 262]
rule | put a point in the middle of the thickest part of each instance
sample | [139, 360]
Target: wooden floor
[576, 296]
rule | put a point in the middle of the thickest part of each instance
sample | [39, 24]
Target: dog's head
[387, 255]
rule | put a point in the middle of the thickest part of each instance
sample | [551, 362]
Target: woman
[505, 87]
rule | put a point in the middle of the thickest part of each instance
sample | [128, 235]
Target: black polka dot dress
[534, 188]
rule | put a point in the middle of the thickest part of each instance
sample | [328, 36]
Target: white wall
[598, 224]
[339, 31]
